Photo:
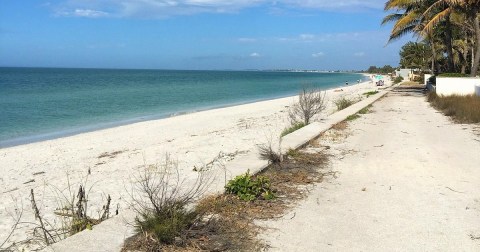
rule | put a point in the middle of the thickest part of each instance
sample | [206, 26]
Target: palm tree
[415, 55]
[436, 45]
[407, 21]
[411, 20]
[441, 9]
[463, 44]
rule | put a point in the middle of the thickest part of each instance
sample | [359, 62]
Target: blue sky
[196, 34]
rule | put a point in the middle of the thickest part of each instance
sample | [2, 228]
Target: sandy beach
[112, 156]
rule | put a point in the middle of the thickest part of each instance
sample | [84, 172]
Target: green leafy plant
[292, 128]
[249, 188]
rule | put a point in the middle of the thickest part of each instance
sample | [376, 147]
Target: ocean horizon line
[178, 69]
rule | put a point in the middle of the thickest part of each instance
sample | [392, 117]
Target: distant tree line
[387, 69]
[448, 33]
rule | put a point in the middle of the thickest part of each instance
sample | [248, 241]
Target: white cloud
[167, 8]
[247, 40]
[318, 55]
[255, 55]
[307, 37]
[89, 13]
[336, 5]
[359, 54]
[325, 37]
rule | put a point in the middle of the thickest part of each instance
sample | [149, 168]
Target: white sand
[408, 180]
[193, 139]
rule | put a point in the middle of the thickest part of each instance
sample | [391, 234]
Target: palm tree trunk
[476, 57]
[464, 54]
[448, 45]
[473, 58]
[434, 54]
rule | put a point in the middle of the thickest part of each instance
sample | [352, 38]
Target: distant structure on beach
[405, 73]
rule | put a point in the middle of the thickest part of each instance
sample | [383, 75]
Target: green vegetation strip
[451, 75]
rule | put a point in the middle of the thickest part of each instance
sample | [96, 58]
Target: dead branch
[38, 217]
[106, 209]
[311, 102]
[17, 219]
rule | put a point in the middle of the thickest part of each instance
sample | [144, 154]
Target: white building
[406, 73]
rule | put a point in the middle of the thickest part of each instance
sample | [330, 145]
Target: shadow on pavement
[410, 90]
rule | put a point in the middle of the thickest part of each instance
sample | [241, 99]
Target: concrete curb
[302, 136]
[111, 234]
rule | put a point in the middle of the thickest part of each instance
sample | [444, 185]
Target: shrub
[368, 94]
[267, 152]
[310, 103]
[420, 79]
[292, 128]
[343, 103]
[464, 109]
[72, 209]
[79, 219]
[168, 223]
[398, 79]
[248, 188]
[353, 117]
[451, 75]
[365, 110]
[161, 201]
[293, 153]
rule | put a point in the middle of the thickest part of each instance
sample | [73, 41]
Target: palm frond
[395, 35]
[399, 4]
[411, 18]
[435, 20]
[392, 18]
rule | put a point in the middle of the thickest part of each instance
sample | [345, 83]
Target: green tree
[408, 18]
[372, 69]
[441, 10]
[413, 16]
[415, 55]
[387, 69]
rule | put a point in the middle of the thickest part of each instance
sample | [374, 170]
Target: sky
[196, 34]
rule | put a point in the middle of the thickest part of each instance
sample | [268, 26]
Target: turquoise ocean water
[45, 103]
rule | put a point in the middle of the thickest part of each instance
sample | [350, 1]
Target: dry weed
[229, 223]
[343, 125]
[463, 109]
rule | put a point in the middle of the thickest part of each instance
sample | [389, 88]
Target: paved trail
[410, 181]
